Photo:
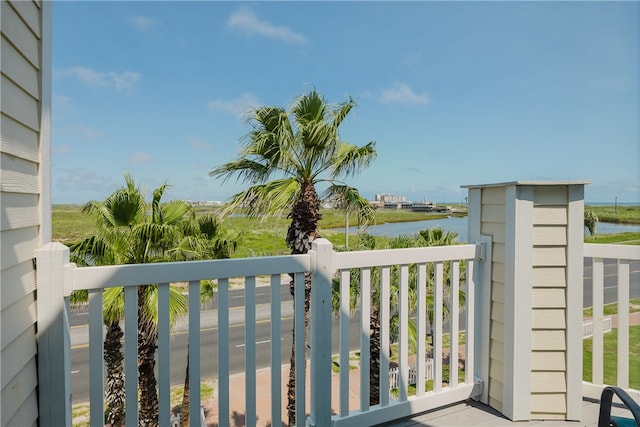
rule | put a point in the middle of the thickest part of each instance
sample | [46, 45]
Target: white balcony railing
[324, 265]
[437, 273]
[619, 261]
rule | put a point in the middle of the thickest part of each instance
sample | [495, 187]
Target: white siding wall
[24, 226]
[493, 224]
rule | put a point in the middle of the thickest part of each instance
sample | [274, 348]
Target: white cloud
[142, 23]
[119, 81]
[245, 20]
[199, 144]
[140, 157]
[61, 149]
[401, 93]
[237, 107]
[84, 131]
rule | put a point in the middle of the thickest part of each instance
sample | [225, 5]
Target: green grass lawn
[619, 214]
[610, 357]
[609, 309]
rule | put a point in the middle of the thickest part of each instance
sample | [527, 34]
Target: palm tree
[591, 221]
[283, 158]
[131, 231]
[213, 244]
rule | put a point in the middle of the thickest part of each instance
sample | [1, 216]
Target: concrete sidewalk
[263, 397]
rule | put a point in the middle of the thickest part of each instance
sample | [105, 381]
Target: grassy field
[610, 357]
[618, 215]
[261, 238]
[256, 237]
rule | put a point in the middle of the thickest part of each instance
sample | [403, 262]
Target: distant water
[459, 225]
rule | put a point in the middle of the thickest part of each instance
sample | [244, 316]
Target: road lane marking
[258, 342]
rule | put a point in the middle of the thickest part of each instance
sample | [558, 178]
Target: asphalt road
[209, 339]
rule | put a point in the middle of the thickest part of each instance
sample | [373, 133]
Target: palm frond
[350, 200]
[272, 198]
[352, 159]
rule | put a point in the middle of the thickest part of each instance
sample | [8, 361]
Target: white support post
[531, 305]
[54, 343]
[575, 285]
[322, 271]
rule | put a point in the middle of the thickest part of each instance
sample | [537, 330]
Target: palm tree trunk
[147, 344]
[374, 360]
[303, 229]
[186, 398]
[114, 387]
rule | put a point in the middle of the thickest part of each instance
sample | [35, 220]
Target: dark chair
[606, 420]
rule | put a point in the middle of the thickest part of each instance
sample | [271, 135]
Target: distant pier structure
[392, 201]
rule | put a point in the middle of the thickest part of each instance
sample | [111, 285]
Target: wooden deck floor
[472, 413]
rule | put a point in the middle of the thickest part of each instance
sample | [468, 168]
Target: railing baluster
[345, 317]
[470, 326]
[131, 354]
[623, 323]
[250, 350]
[403, 347]
[223, 352]
[454, 311]
[164, 356]
[598, 300]
[194, 353]
[421, 316]
[300, 345]
[385, 282]
[276, 351]
[96, 358]
[365, 344]
[437, 326]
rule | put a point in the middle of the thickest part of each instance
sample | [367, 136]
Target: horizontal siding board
[18, 210]
[548, 298]
[18, 69]
[497, 350]
[551, 340]
[547, 416]
[19, 352]
[16, 319]
[497, 331]
[498, 252]
[551, 195]
[497, 370]
[548, 319]
[550, 277]
[17, 281]
[493, 213]
[548, 382]
[19, 34]
[548, 235]
[18, 140]
[495, 230]
[548, 361]
[497, 292]
[549, 402]
[27, 414]
[497, 311]
[497, 272]
[545, 256]
[18, 390]
[552, 215]
[496, 390]
[30, 14]
[19, 104]
[493, 196]
[18, 175]
[18, 246]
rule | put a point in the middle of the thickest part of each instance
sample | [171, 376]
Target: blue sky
[453, 93]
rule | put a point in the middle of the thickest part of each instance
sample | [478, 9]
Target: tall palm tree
[285, 156]
[130, 231]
